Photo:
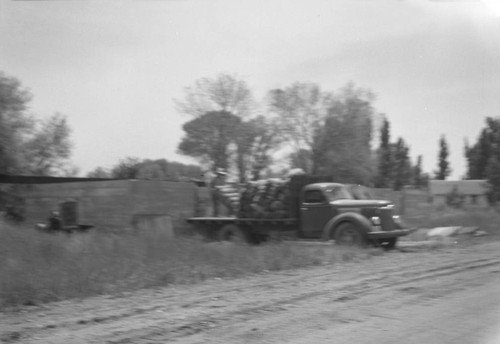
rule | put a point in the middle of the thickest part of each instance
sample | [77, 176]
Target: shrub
[455, 198]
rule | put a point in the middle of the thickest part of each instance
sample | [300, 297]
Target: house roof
[466, 187]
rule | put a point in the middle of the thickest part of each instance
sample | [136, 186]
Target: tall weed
[40, 267]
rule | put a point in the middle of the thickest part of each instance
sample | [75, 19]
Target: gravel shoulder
[448, 295]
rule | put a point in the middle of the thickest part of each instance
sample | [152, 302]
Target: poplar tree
[385, 159]
[444, 169]
[402, 166]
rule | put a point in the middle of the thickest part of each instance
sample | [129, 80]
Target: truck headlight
[398, 221]
[376, 220]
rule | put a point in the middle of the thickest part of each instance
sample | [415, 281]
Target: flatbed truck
[322, 210]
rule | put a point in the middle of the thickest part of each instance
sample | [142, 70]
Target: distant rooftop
[466, 187]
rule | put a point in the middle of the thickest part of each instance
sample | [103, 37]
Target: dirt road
[446, 296]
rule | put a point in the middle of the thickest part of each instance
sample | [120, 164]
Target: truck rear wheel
[348, 234]
[233, 233]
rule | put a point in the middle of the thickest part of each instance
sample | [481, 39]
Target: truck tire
[233, 233]
[348, 234]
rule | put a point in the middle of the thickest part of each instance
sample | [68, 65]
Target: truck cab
[331, 211]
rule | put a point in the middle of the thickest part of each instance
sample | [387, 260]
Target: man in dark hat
[219, 180]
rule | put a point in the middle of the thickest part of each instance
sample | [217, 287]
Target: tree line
[43, 147]
[29, 145]
[159, 169]
[483, 157]
[296, 126]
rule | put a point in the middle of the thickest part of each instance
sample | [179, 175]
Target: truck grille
[386, 220]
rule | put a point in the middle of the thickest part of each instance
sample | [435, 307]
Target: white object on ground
[453, 231]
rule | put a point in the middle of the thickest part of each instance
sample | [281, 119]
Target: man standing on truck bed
[219, 180]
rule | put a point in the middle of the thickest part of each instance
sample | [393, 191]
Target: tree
[218, 136]
[15, 123]
[150, 171]
[222, 140]
[419, 178]
[127, 168]
[244, 140]
[174, 170]
[385, 158]
[99, 172]
[402, 166]
[483, 157]
[342, 147]
[493, 177]
[302, 109]
[255, 141]
[444, 169]
[209, 136]
[29, 146]
[160, 169]
[224, 93]
[479, 155]
[330, 133]
[48, 151]
[301, 159]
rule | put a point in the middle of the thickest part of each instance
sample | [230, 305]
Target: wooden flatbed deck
[236, 220]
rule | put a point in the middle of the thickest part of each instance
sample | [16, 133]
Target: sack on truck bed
[229, 196]
[265, 199]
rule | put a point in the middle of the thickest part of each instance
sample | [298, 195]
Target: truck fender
[359, 220]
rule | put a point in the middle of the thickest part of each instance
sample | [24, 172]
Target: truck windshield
[338, 192]
[360, 192]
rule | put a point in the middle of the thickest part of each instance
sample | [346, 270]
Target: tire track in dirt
[355, 291]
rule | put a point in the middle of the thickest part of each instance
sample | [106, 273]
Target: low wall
[175, 199]
[141, 204]
[112, 204]
[103, 203]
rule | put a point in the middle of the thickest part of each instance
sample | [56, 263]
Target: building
[470, 192]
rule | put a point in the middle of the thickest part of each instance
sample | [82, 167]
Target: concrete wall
[106, 203]
[142, 204]
[115, 204]
[175, 199]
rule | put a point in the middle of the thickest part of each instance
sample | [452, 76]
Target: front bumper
[390, 234]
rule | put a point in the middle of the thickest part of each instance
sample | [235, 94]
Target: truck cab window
[338, 192]
[314, 196]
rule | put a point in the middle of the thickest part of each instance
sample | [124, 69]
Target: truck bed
[236, 220]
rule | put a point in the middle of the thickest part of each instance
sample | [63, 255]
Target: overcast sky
[114, 67]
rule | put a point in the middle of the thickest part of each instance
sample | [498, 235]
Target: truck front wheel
[233, 233]
[348, 234]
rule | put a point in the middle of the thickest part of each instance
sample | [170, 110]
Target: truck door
[315, 212]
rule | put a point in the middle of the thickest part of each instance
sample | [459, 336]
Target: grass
[39, 267]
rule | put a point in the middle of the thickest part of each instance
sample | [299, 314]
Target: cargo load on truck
[271, 198]
[265, 199]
